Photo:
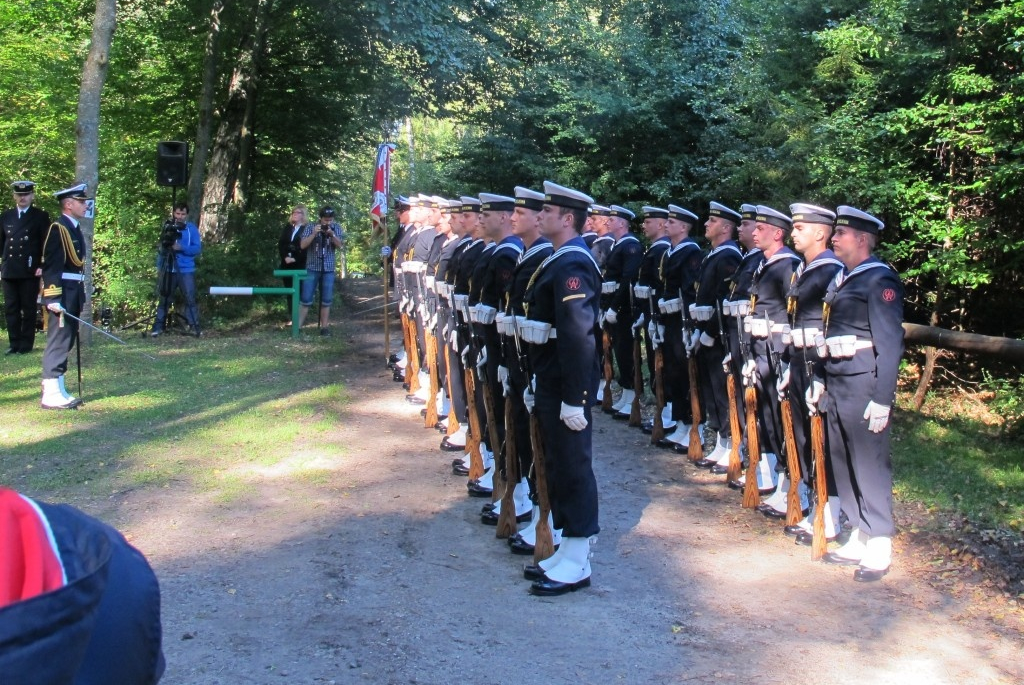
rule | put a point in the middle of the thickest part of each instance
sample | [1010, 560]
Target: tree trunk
[219, 186]
[247, 141]
[204, 130]
[87, 146]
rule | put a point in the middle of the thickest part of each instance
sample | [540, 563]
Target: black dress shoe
[490, 518]
[392, 358]
[773, 513]
[647, 426]
[719, 470]
[619, 416]
[533, 572]
[807, 539]
[681, 449]
[735, 485]
[477, 491]
[405, 386]
[794, 531]
[448, 446]
[518, 546]
[545, 587]
[460, 470]
[398, 376]
[441, 426]
[412, 399]
[869, 575]
[705, 463]
[836, 560]
[667, 444]
[423, 412]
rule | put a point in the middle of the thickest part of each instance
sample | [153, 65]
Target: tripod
[174, 320]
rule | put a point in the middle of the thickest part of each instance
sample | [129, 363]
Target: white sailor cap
[600, 210]
[622, 212]
[490, 202]
[23, 187]
[720, 210]
[855, 218]
[677, 212]
[748, 212]
[812, 214]
[529, 199]
[78, 192]
[455, 206]
[470, 204]
[560, 196]
[402, 201]
[654, 212]
[767, 215]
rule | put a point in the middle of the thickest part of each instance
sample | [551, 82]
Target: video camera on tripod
[170, 233]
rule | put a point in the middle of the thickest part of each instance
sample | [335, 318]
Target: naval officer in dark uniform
[561, 306]
[63, 290]
[863, 320]
[22, 230]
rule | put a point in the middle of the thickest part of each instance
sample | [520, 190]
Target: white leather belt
[609, 287]
[846, 346]
[72, 277]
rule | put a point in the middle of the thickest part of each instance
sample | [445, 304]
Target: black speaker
[171, 163]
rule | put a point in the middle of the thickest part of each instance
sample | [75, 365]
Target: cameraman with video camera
[180, 244]
[320, 241]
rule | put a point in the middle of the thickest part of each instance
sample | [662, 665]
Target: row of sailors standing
[818, 326]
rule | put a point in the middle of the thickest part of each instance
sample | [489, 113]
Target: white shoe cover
[574, 564]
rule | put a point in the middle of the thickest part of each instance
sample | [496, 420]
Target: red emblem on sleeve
[889, 295]
[573, 283]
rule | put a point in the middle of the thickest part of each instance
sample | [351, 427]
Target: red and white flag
[381, 184]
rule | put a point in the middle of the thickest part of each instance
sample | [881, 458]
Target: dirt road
[382, 573]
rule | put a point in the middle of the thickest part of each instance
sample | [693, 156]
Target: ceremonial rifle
[793, 515]
[819, 543]
[497, 478]
[412, 365]
[751, 497]
[544, 544]
[658, 429]
[606, 347]
[453, 421]
[476, 460]
[695, 450]
[638, 374]
[430, 339]
[735, 465]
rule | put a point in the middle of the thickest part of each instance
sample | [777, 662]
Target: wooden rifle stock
[735, 465]
[658, 431]
[507, 517]
[412, 364]
[606, 343]
[476, 460]
[819, 544]
[544, 546]
[751, 497]
[430, 420]
[638, 383]
[406, 344]
[793, 513]
[453, 421]
[695, 450]
[492, 430]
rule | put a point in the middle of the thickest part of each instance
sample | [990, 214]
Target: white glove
[657, 333]
[813, 396]
[404, 305]
[573, 417]
[638, 324]
[692, 343]
[481, 361]
[749, 372]
[706, 340]
[465, 357]
[782, 382]
[528, 398]
[503, 377]
[55, 307]
[877, 416]
[453, 338]
[727, 363]
[661, 304]
[611, 317]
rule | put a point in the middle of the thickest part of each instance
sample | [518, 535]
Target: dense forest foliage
[910, 110]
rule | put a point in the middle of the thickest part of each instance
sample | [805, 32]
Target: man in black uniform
[562, 308]
[22, 230]
[63, 290]
[706, 341]
[620, 273]
[768, 318]
[679, 276]
[604, 241]
[648, 290]
[863, 317]
[812, 231]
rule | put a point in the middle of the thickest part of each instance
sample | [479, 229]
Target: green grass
[953, 456]
[214, 414]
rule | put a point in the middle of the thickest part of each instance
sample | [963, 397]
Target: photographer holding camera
[320, 241]
[180, 244]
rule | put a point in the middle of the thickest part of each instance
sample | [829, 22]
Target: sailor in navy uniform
[768, 319]
[562, 307]
[738, 305]
[591, 228]
[680, 273]
[492, 275]
[441, 251]
[22, 230]
[526, 226]
[647, 292]
[620, 273]
[812, 231]
[63, 290]
[716, 272]
[602, 245]
[863, 331]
